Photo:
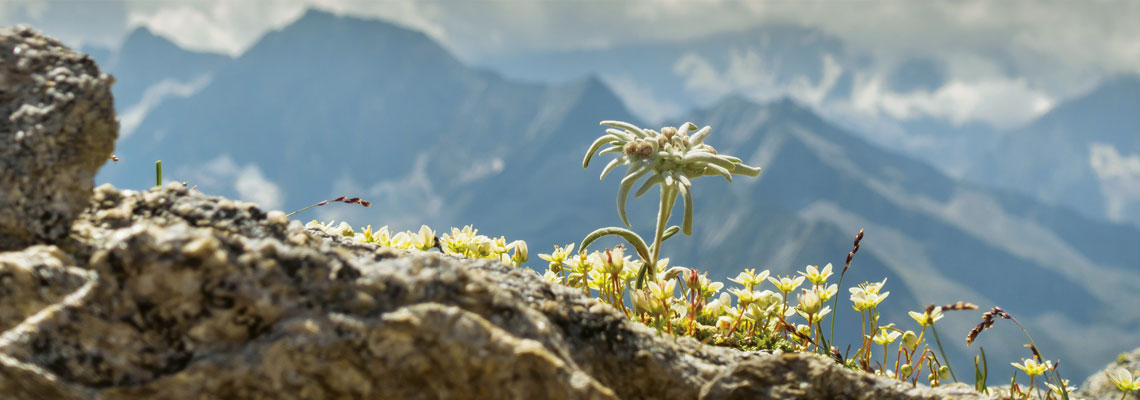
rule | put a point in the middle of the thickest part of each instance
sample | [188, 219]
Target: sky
[995, 54]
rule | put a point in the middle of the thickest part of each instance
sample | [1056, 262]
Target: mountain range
[663, 79]
[332, 106]
[1083, 154]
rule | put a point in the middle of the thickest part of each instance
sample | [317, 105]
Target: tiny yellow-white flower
[809, 301]
[1057, 390]
[750, 279]
[815, 276]
[786, 284]
[864, 300]
[559, 255]
[927, 319]
[1123, 380]
[1033, 368]
[885, 336]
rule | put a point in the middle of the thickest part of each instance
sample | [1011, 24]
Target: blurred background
[991, 150]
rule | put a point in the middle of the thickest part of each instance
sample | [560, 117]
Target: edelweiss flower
[671, 158]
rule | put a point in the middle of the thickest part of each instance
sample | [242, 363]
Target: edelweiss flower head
[671, 159]
[815, 276]
[1033, 368]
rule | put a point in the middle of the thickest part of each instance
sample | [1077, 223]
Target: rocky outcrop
[172, 294]
[1098, 386]
[59, 126]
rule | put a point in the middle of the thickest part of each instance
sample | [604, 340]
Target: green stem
[1054, 376]
[668, 195]
[943, 352]
[303, 209]
[158, 173]
[835, 306]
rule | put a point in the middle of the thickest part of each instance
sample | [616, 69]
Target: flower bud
[906, 370]
[693, 281]
[520, 255]
[910, 340]
[809, 301]
[944, 372]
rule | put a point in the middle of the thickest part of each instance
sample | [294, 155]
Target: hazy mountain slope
[146, 59]
[661, 80]
[1084, 154]
[332, 106]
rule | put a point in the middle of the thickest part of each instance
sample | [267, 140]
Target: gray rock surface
[59, 126]
[175, 295]
[1097, 386]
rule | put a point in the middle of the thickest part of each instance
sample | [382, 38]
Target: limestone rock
[59, 126]
[1097, 386]
[176, 295]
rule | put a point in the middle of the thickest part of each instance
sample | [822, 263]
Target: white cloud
[481, 170]
[1119, 180]
[252, 186]
[750, 75]
[223, 175]
[1001, 102]
[155, 95]
[401, 203]
[1031, 52]
[641, 100]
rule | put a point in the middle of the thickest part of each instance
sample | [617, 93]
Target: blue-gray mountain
[333, 106]
[1084, 154]
[660, 80]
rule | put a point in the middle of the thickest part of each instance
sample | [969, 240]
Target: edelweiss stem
[667, 197]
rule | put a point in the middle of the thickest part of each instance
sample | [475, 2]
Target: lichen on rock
[59, 126]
